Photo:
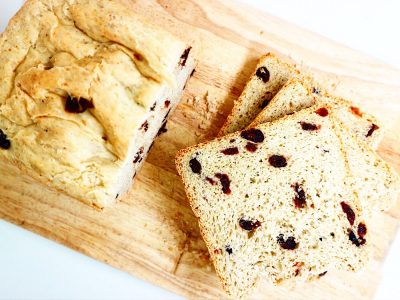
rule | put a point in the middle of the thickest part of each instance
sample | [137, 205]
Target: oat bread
[269, 77]
[273, 201]
[298, 94]
[85, 85]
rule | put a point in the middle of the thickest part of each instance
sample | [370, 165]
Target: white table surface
[32, 267]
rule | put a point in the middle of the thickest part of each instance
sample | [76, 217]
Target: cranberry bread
[298, 94]
[269, 77]
[272, 201]
[85, 85]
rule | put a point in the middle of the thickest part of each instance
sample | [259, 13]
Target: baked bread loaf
[85, 85]
[274, 201]
[298, 94]
[269, 77]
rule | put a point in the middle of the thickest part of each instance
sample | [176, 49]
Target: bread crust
[85, 86]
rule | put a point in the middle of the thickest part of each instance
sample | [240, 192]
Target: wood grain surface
[152, 233]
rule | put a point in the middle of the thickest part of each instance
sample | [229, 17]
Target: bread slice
[273, 201]
[269, 77]
[376, 182]
[85, 86]
[298, 94]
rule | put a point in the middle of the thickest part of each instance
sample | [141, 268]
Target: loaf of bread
[275, 201]
[85, 86]
[298, 94]
[269, 77]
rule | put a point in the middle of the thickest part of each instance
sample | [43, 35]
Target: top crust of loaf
[78, 79]
[243, 193]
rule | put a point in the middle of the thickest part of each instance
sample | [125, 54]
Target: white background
[32, 267]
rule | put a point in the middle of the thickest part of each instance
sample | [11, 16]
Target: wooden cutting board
[152, 233]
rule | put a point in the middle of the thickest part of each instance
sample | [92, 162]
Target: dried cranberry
[322, 274]
[265, 103]
[163, 129]
[253, 135]
[231, 151]
[356, 111]
[5, 143]
[277, 161]
[225, 182]
[323, 112]
[77, 105]
[251, 147]
[300, 196]
[195, 166]
[217, 251]
[184, 57]
[263, 74]
[289, 244]
[309, 126]
[228, 249]
[232, 140]
[361, 230]
[349, 212]
[210, 180]
[167, 103]
[138, 56]
[249, 225]
[48, 66]
[138, 156]
[372, 129]
[298, 266]
[145, 126]
[356, 241]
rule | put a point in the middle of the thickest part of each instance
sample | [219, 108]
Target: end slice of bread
[269, 77]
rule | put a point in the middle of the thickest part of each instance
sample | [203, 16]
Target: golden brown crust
[78, 80]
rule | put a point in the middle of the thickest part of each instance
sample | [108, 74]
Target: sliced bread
[273, 201]
[376, 183]
[269, 77]
[298, 94]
